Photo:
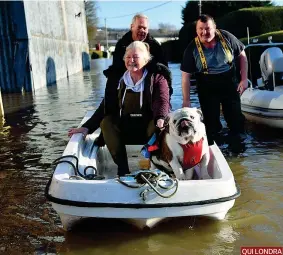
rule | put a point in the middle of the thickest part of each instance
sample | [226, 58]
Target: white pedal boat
[263, 102]
[75, 198]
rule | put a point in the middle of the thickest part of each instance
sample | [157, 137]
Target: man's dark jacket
[118, 65]
[117, 69]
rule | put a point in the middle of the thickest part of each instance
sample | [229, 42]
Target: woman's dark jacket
[117, 69]
[157, 91]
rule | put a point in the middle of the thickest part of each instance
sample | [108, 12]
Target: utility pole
[106, 34]
[1, 106]
[199, 7]
[248, 34]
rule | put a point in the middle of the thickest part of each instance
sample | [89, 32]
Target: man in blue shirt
[212, 57]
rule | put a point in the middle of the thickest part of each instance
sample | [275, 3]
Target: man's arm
[186, 84]
[243, 63]
[118, 64]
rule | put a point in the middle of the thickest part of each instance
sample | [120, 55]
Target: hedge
[171, 50]
[259, 20]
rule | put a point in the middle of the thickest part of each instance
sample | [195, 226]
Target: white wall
[57, 39]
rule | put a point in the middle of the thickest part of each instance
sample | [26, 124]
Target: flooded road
[35, 134]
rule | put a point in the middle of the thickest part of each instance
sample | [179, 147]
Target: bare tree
[166, 28]
[91, 8]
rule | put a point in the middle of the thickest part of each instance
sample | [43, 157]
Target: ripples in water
[35, 134]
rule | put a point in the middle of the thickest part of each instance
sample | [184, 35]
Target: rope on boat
[78, 175]
[154, 180]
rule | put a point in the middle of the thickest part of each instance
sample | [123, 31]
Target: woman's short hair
[142, 46]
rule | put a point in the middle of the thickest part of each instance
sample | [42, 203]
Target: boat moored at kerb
[262, 102]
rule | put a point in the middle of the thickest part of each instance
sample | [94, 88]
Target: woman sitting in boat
[138, 106]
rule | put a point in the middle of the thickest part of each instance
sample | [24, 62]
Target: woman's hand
[160, 123]
[82, 130]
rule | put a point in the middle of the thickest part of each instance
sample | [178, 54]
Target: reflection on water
[35, 133]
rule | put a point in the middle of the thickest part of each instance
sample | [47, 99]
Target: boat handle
[250, 83]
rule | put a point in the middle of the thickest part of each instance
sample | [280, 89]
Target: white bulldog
[183, 145]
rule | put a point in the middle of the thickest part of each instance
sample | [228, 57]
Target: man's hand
[243, 85]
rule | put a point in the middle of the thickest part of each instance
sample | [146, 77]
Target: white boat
[262, 102]
[75, 198]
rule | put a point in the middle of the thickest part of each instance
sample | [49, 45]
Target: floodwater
[35, 134]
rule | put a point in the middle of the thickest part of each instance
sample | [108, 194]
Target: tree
[217, 8]
[166, 28]
[91, 20]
